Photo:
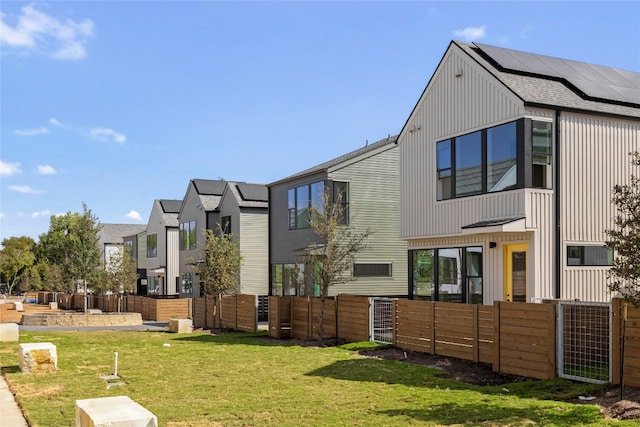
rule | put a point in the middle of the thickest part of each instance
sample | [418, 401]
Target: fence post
[496, 336]
[476, 339]
[432, 333]
[616, 340]
[552, 347]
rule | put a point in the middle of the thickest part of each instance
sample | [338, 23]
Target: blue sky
[118, 103]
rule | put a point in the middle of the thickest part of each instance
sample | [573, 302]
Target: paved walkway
[10, 413]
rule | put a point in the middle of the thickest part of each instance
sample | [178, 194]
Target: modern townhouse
[162, 248]
[137, 245]
[507, 164]
[365, 181]
[230, 207]
[111, 238]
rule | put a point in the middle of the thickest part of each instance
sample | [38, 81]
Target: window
[372, 270]
[447, 274]
[187, 235]
[341, 196]
[541, 154]
[152, 246]
[187, 283]
[589, 255]
[225, 225]
[493, 159]
[287, 279]
[300, 200]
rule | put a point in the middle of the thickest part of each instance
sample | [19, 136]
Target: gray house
[162, 248]
[137, 245]
[111, 238]
[367, 182]
[237, 207]
[507, 164]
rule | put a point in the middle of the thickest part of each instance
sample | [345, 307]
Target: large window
[493, 159]
[287, 279]
[300, 200]
[152, 245]
[187, 283]
[187, 235]
[589, 255]
[341, 197]
[447, 274]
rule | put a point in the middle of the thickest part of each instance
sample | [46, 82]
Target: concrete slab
[116, 411]
[9, 332]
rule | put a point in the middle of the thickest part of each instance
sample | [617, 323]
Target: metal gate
[583, 341]
[381, 320]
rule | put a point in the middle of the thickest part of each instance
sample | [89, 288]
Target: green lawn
[242, 380]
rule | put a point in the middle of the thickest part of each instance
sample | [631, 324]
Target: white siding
[594, 157]
[173, 264]
[449, 106]
[254, 249]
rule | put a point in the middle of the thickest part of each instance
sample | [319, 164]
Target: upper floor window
[152, 246]
[187, 235]
[300, 200]
[225, 225]
[493, 159]
[341, 197]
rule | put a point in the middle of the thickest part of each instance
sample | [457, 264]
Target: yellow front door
[515, 273]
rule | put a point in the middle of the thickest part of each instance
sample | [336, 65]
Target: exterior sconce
[459, 73]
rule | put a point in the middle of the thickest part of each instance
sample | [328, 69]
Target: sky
[115, 104]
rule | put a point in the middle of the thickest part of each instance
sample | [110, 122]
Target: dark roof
[560, 83]
[253, 192]
[208, 187]
[323, 167]
[493, 222]
[170, 206]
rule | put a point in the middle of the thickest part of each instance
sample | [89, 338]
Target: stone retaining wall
[81, 319]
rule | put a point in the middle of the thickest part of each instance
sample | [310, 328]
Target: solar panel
[595, 81]
[253, 192]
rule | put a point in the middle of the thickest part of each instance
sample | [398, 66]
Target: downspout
[269, 243]
[556, 193]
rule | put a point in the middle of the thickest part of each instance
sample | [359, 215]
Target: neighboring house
[137, 244]
[162, 248]
[111, 239]
[239, 208]
[367, 182]
[507, 165]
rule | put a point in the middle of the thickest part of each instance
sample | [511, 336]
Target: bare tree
[624, 275]
[329, 258]
[220, 267]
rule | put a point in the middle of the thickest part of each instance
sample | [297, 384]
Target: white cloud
[9, 169]
[1, 214]
[134, 215]
[46, 170]
[103, 134]
[24, 189]
[471, 33]
[38, 31]
[32, 132]
[56, 122]
[46, 213]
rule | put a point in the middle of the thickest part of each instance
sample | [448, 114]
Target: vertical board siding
[448, 106]
[594, 157]
[172, 261]
[254, 247]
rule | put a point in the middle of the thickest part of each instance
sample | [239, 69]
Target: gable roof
[546, 81]
[368, 149]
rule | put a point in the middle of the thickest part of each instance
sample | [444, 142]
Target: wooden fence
[237, 312]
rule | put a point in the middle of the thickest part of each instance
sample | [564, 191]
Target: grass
[243, 380]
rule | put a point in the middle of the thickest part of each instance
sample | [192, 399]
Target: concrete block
[116, 411]
[38, 357]
[181, 326]
[53, 305]
[9, 331]
[18, 306]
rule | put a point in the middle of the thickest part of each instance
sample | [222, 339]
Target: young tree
[624, 275]
[220, 266]
[330, 257]
[16, 258]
